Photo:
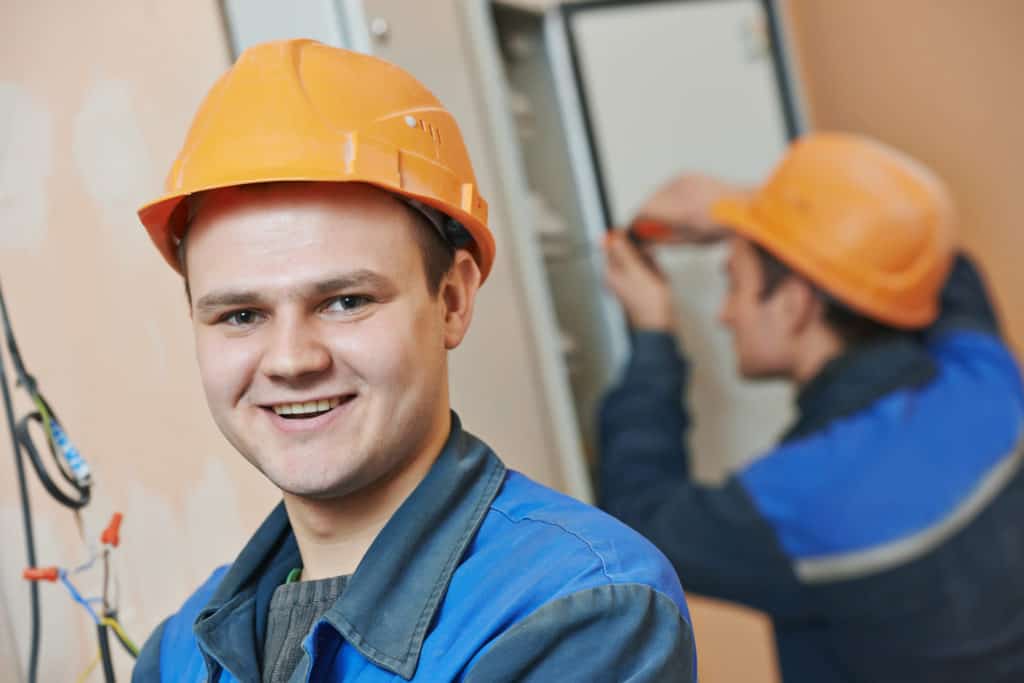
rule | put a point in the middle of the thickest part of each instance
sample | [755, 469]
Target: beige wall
[94, 99]
[943, 81]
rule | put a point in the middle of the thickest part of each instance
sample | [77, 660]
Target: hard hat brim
[738, 214]
[166, 225]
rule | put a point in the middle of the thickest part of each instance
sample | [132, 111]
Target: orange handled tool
[648, 230]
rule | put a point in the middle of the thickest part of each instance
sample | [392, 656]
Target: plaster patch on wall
[212, 512]
[155, 335]
[153, 577]
[111, 156]
[26, 148]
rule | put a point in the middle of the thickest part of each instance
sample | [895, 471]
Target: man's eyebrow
[227, 299]
[350, 280]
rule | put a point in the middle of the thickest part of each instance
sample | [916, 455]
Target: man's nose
[297, 350]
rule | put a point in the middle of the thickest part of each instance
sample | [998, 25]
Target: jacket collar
[392, 598]
[857, 378]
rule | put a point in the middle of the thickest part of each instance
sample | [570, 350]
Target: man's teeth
[307, 408]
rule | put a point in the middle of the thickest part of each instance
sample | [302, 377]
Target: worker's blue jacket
[884, 534]
[481, 575]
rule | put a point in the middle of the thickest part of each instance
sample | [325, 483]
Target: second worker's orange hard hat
[300, 110]
[866, 223]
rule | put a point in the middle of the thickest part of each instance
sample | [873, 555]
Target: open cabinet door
[608, 100]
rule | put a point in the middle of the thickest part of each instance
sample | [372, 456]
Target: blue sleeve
[965, 302]
[621, 632]
[168, 651]
[645, 412]
[147, 665]
[715, 537]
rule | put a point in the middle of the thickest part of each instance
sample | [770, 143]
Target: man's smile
[304, 410]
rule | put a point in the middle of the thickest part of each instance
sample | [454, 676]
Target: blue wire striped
[77, 597]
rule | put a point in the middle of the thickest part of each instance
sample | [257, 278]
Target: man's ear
[800, 303]
[458, 294]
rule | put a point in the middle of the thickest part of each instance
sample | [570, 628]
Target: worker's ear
[800, 303]
[458, 294]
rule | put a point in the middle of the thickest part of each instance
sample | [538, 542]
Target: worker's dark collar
[857, 378]
[395, 592]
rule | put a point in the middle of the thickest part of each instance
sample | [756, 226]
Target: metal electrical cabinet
[609, 100]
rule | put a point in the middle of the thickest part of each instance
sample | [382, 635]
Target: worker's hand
[684, 205]
[638, 284]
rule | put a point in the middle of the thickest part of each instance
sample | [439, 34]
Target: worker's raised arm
[714, 536]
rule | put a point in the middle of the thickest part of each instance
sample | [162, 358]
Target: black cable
[21, 438]
[26, 512]
[25, 439]
[61, 463]
[108, 663]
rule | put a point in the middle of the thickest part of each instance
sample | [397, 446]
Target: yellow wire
[114, 624]
[47, 421]
[88, 670]
[44, 412]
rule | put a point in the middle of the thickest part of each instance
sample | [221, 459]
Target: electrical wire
[75, 473]
[73, 470]
[26, 508]
[84, 676]
[108, 663]
[128, 643]
[77, 597]
[24, 436]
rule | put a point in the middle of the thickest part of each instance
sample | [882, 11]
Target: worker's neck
[335, 534]
[817, 346]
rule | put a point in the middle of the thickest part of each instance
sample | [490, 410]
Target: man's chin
[759, 374]
[319, 487]
[315, 492]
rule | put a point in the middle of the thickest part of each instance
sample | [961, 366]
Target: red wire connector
[111, 535]
[41, 574]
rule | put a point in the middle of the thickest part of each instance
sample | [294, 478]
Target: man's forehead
[339, 197]
[251, 235]
[255, 218]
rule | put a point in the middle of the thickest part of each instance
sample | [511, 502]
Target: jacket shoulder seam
[564, 529]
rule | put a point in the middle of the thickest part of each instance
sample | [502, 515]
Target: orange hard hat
[300, 110]
[865, 222]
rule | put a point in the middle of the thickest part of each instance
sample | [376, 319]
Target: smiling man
[325, 217]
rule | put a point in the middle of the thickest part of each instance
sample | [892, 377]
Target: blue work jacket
[884, 535]
[481, 575]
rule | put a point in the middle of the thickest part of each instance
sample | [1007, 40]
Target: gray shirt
[294, 608]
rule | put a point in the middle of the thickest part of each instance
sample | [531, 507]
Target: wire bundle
[74, 494]
[106, 617]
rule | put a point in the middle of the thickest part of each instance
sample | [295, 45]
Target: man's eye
[241, 318]
[347, 303]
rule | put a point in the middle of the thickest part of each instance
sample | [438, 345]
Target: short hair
[852, 328]
[438, 253]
